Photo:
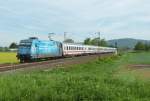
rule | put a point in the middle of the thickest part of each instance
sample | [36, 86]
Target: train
[34, 49]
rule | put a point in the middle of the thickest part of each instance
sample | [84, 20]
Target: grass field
[107, 79]
[8, 57]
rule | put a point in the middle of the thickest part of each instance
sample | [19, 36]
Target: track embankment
[51, 63]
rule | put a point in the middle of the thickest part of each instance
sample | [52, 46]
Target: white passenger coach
[78, 49]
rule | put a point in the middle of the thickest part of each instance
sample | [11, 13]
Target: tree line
[13, 45]
[95, 42]
[141, 46]
[88, 41]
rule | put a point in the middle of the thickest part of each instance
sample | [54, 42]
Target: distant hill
[126, 42]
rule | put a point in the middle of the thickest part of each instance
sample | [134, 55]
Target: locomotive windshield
[25, 43]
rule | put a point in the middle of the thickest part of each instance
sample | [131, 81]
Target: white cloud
[114, 18]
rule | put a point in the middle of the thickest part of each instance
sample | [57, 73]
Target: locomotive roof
[30, 40]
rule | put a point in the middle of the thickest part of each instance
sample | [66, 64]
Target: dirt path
[142, 70]
[139, 66]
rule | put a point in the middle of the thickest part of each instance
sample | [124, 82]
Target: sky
[20, 19]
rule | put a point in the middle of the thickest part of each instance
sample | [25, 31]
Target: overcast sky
[21, 19]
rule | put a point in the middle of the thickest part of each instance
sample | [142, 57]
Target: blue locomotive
[33, 48]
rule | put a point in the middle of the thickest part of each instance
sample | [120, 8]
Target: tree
[98, 42]
[13, 45]
[1, 49]
[68, 41]
[147, 47]
[87, 41]
[95, 42]
[103, 42]
[139, 46]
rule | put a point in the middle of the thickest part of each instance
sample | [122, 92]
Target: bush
[142, 47]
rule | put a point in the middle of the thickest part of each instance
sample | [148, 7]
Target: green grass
[8, 57]
[134, 59]
[94, 81]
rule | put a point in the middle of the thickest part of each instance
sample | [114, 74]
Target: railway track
[50, 63]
